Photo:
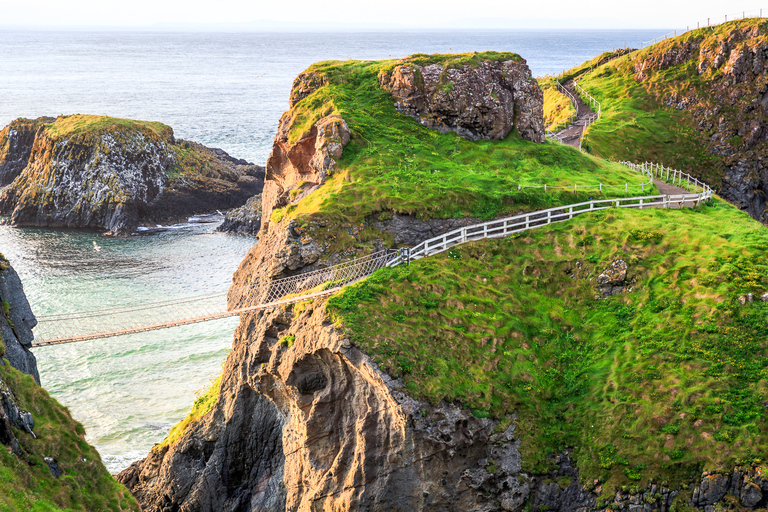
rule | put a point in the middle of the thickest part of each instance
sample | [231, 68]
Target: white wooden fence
[499, 228]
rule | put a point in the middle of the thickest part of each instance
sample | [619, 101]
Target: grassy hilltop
[652, 385]
[658, 105]
[394, 164]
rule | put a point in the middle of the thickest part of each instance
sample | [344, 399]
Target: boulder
[613, 279]
[484, 100]
[751, 494]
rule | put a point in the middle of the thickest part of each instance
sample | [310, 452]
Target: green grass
[638, 121]
[26, 483]
[89, 125]
[394, 164]
[654, 384]
[203, 404]
[558, 108]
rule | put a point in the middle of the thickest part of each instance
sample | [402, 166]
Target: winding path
[572, 134]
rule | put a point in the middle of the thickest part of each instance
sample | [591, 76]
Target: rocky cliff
[46, 462]
[112, 174]
[477, 100]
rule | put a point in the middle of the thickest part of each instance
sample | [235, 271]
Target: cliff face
[312, 424]
[41, 442]
[17, 322]
[87, 171]
[483, 101]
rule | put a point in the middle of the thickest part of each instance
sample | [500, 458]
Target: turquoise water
[127, 391]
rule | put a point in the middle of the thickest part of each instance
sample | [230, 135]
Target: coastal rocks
[16, 322]
[612, 280]
[244, 220]
[113, 174]
[484, 100]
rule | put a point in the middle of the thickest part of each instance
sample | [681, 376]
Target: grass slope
[26, 484]
[654, 384]
[393, 163]
[558, 108]
[82, 126]
[638, 121]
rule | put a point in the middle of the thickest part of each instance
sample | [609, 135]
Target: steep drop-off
[113, 174]
[45, 463]
[696, 102]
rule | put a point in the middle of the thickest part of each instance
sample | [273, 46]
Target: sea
[224, 90]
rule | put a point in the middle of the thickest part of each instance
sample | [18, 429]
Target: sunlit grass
[637, 385]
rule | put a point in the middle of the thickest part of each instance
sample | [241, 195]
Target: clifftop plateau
[113, 174]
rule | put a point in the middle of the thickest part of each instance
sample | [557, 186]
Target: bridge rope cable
[263, 293]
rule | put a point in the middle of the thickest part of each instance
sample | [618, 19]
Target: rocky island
[113, 174]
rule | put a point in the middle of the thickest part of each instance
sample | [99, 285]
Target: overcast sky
[366, 13]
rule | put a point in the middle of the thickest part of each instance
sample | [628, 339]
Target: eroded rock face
[16, 141]
[305, 163]
[16, 326]
[113, 180]
[343, 436]
[482, 102]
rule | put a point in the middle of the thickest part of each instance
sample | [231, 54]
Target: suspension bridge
[263, 293]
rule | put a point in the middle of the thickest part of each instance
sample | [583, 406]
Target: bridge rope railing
[260, 294]
[265, 293]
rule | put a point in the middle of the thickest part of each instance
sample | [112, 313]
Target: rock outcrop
[111, 174]
[613, 280]
[16, 322]
[244, 220]
[484, 100]
[295, 169]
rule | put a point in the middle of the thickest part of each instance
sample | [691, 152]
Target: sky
[366, 14]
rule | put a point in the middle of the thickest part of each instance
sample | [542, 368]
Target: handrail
[592, 118]
[264, 293]
[506, 226]
[700, 24]
[570, 120]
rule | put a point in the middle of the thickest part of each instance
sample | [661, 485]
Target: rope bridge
[261, 294]
[264, 293]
